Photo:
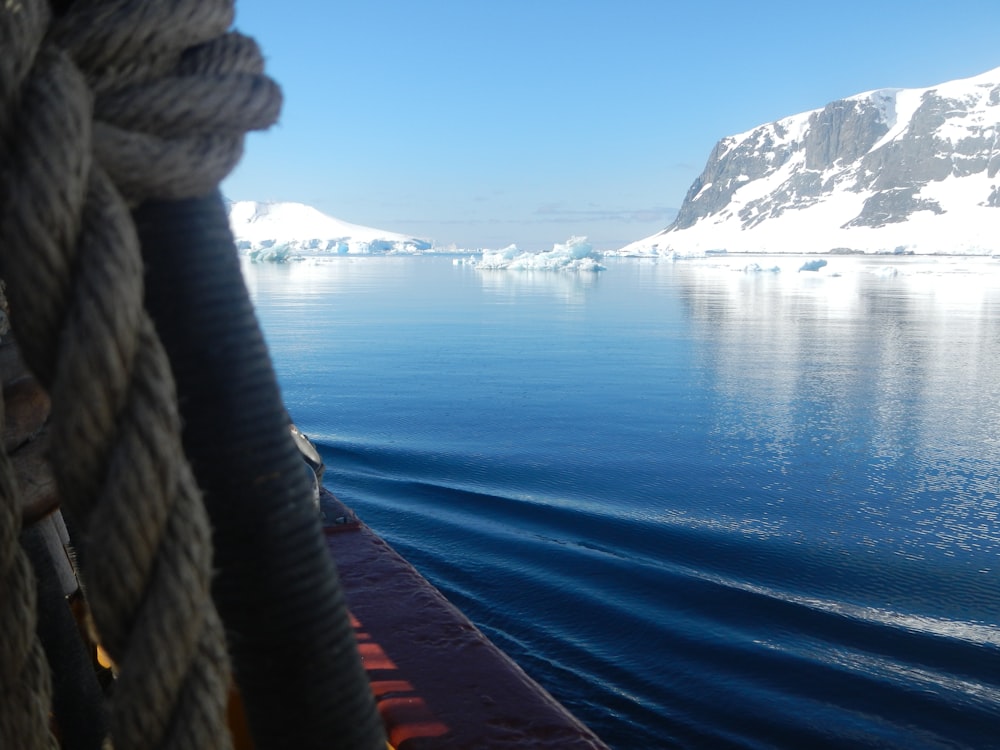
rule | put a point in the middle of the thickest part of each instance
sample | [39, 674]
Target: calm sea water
[704, 508]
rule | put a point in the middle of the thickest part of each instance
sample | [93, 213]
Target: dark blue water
[704, 508]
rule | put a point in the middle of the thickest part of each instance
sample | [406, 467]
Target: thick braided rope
[174, 93]
[71, 259]
[71, 144]
[25, 683]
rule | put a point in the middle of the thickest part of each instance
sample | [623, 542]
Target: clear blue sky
[484, 123]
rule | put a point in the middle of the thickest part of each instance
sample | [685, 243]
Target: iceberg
[758, 268]
[576, 254]
[282, 232]
[813, 265]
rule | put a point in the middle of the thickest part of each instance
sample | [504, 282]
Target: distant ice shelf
[282, 232]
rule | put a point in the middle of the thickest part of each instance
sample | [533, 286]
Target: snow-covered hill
[283, 231]
[892, 170]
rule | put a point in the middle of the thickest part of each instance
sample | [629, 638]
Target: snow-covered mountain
[283, 231]
[891, 170]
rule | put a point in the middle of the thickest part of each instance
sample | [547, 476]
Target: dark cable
[277, 589]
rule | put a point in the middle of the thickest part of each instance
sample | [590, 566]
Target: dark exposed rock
[728, 169]
[892, 206]
[842, 132]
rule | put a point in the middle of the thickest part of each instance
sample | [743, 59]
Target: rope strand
[112, 105]
[71, 258]
[25, 682]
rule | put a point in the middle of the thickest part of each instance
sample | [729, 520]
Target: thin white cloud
[553, 212]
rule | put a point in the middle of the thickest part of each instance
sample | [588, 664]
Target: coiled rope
[103, 106]
[25, 685]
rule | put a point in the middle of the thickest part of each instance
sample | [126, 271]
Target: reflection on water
[864, 373]
[317, 281]
[704, 507]
[512, 285]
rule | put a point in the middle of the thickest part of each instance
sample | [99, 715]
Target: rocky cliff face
[887, 170]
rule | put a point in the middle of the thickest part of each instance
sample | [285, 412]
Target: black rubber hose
[277, 590]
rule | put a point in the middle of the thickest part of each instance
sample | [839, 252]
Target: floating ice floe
[886, 272]
[813, 265]
[576, 254]
[758, 268]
